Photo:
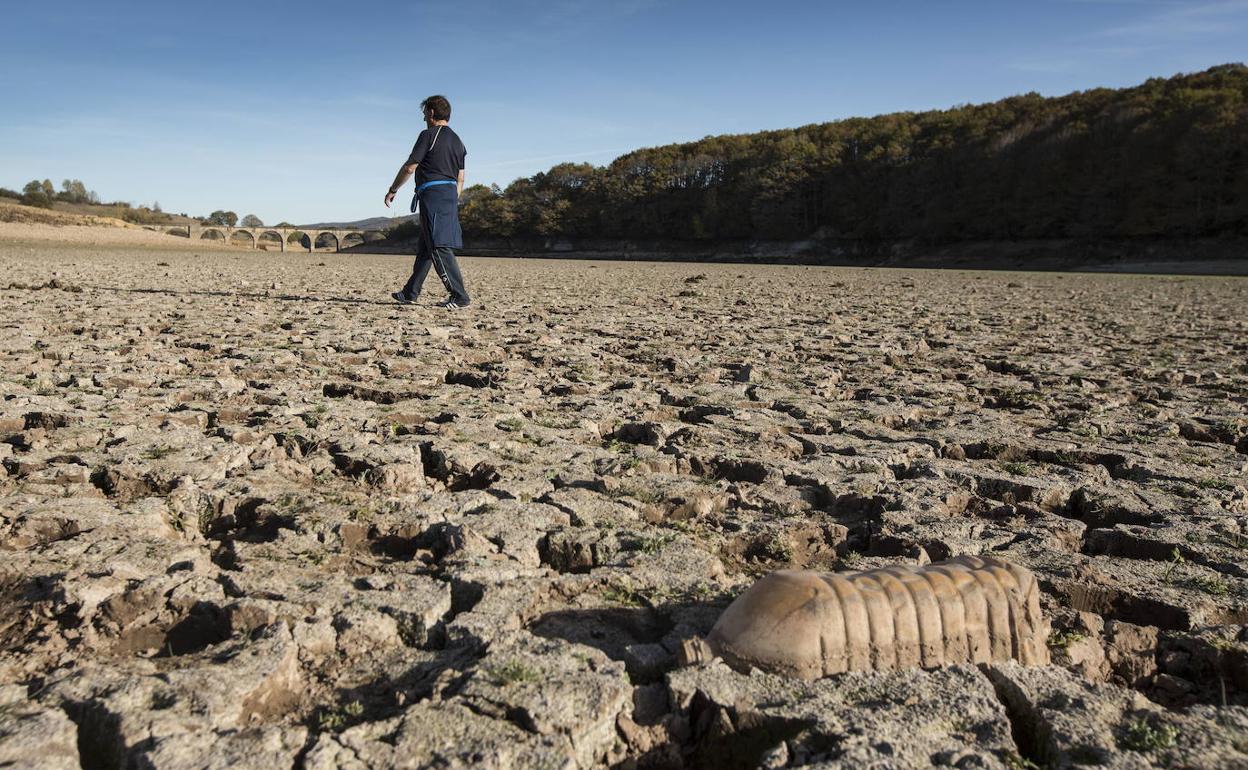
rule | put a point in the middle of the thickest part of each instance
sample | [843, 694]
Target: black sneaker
[451, 304]
[401, 298]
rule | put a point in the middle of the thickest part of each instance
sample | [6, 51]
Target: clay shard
[972, 609]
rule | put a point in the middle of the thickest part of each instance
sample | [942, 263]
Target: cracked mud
[253, 516]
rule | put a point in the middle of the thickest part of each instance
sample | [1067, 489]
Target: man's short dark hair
[439, 106]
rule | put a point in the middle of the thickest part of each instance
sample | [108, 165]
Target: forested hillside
[1168, 158]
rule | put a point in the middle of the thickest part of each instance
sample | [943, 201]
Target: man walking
[437, 160]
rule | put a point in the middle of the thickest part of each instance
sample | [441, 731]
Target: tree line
[1166, 158]
[43, 194]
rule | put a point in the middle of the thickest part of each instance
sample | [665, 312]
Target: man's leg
[420, 269]
[448, 271]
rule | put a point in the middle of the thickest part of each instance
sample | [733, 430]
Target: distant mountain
[372, 223]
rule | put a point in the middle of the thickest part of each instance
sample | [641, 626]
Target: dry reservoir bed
[253, 515]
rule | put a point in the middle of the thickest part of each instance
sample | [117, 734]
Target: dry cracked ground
[253, 516]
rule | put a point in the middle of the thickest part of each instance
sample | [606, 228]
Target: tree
[33, 194]
[48, 189]
[74, 191]
[227, 218]
[1168, 158]
[251, 220]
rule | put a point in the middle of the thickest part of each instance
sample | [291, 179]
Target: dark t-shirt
[443, 161]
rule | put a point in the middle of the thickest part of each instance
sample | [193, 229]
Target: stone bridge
[284, 235]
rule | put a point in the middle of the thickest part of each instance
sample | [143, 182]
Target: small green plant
[1017, 468]
[1214, 585]
[623, 594]
[645, 496]
[511, 424]
[1212, 483]
[335, 718]
[779, 548]
[1016, 761]
[512, 672]
[1195, 459]
[177, 521]
[158, 452]
[1176, 561]
[656, 543]
[851, 560]
[1061, 640]
[1141, 736]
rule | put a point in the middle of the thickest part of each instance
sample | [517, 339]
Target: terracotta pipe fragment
[811, 624]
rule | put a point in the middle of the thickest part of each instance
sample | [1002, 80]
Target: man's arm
[405, 173]
[459, 185]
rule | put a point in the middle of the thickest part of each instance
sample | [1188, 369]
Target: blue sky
[303, 111]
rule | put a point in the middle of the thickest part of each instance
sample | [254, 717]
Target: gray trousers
[442, 258]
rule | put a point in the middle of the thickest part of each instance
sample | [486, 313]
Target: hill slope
[1166, 159]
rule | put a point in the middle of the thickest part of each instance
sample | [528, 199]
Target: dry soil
[253, 514]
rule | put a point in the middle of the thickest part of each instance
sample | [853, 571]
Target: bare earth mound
[25, 226]
[253, 516]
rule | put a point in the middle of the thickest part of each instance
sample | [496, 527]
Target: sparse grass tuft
[645, 496]
[627, 595]
[779, 548]
[1061, 640]
[656, 543]
[1214, 585]
[158, 452]
[1016, 761]
[1142, 736]
[334, 718]
[1017, 468]
[512, 672]
[1212, 483]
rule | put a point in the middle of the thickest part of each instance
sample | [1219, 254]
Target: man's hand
[389, 198]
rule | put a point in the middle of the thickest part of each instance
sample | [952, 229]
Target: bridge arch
[299, 238]
[182, 231]
[213, 234]
[251, 237]
[351, 239]
[270, 237]
[325, 235]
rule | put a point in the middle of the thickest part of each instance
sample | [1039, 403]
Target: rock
[855, 720]
[32, 736]
[1066, 721]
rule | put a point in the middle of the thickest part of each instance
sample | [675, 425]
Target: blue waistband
[420, 189]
